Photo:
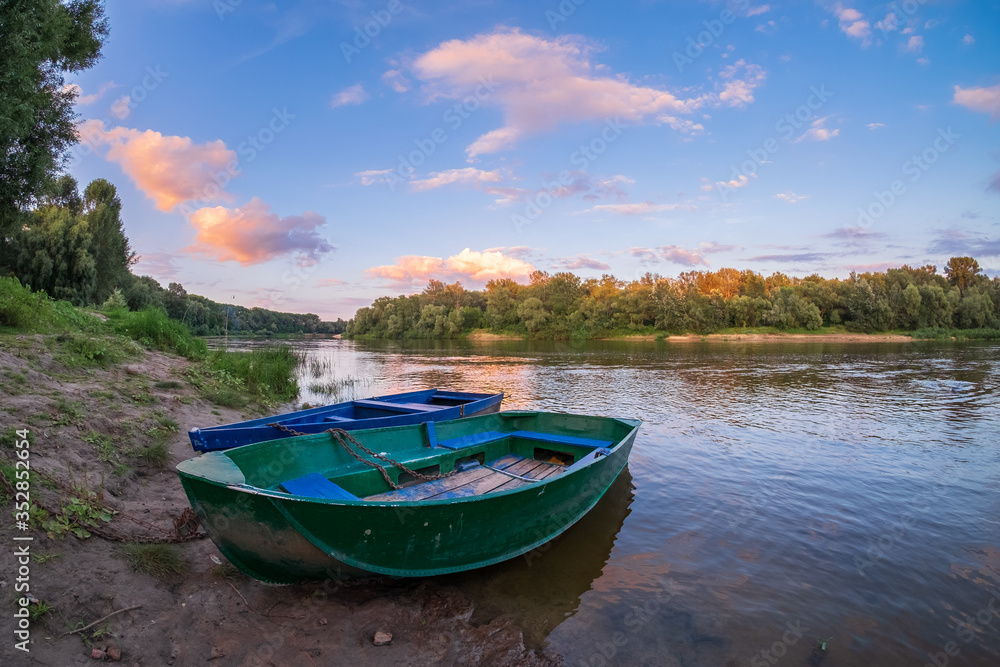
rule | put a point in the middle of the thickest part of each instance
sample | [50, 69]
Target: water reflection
[850, 490]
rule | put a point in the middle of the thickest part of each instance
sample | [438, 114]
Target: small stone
[322, 621]
[217, 653]
[98, 654]
[114, 653]
[382, 638]
[133, 370]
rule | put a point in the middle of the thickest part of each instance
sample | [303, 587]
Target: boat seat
[398, 407]
[562, 439]
[473, 440]
[315, 485]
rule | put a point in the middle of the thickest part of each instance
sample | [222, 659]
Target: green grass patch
[154, 329]
[940, 333]
[158, 560]
[267, 371]
[168, 384]
[226, 397]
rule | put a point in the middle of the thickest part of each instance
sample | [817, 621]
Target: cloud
[471, 265]
[678, 255]
[640, 208]
[122, 107]
[351, 95]
[875, 126]
[760, 9]
[329, 282]
[817, 131]
[738, 92]
[252, 234]
[790, 197]
[466, 176]
[518, 251]
[93, 97]
[768, 28]
[375, 176]
[851, 236]
[986, 100]
[955, 242]
[915, 44]
[880, 267]
[853, 24]
[168, 169]
[580, 262]
[740, 181]
[541, 83]
[799, 257]
[159, 265]
[888, 24]
[396, 80]
[968, 40]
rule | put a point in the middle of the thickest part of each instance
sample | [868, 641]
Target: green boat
[405, 501]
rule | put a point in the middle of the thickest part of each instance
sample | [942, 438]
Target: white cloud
[473, 265]
[875, 126]
[790, 197]
[738, 92]
[467, 176]
[853, 24]
[641, 208]
[818, 132]
[915, 44]
[968, 39]
[985, 100]
[93, 97]
[396, 80]
[541, 83]
[352, 95]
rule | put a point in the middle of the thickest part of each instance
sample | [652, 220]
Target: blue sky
[310, 156]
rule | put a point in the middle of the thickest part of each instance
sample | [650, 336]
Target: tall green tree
[40, 41]
[112, 254]
[961, 272]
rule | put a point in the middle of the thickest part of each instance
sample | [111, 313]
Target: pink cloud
[252, 234]
[853, 24]
[738, 92]
[678, 255]
[581, 262]
[818, 132]
[93, 97]
[168, 169]
[541, 83]
[468, 176]
[986, 100]
[470, 265]
[641, 208]
[352, 95]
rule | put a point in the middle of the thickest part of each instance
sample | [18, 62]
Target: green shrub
[153, 328]
[158, 560]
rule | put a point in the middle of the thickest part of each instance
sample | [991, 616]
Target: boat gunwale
[361, 502]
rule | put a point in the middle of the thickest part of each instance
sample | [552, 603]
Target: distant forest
[564, 306]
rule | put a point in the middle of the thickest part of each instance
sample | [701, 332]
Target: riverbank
[110, 533]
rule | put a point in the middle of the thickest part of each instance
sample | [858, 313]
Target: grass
[226, 571]
[226, 397]
[941, 333]
[266, 371]
[168, 384]
[154, 329]
[158, 560]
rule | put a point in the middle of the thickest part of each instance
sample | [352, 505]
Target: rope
[339, 435]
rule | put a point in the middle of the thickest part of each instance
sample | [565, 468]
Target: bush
[21, 309]
[153, 328]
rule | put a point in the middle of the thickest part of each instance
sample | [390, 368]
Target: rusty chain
[339, 435]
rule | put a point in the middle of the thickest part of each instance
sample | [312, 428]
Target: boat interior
[476, 464]
[389, 406]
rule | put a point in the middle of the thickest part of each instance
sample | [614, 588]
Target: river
[778, 496]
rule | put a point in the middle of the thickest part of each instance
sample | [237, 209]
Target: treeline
[565, 306]
[73, 247]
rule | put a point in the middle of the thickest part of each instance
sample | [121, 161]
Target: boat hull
[312, 421]
[279, 538]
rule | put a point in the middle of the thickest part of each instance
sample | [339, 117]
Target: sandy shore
[207, 613]
[790, 338]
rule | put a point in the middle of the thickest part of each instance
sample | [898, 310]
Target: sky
[311, 156]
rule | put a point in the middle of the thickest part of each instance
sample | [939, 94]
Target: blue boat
[415, 407]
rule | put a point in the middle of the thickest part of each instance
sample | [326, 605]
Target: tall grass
[153, 328]
[25, 311]
[269, 371]
[941, 333]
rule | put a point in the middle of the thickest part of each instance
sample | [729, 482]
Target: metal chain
[339, 434]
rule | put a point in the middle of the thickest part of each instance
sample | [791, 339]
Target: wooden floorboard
[477, 481]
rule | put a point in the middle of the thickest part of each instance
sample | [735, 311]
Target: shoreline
[89, 426]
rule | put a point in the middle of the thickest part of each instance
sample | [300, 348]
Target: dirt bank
[97, 435]
[480, 334]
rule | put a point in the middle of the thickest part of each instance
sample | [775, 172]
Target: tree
[55, 254]
[42, 40]
[111, 250]
[961, 272]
